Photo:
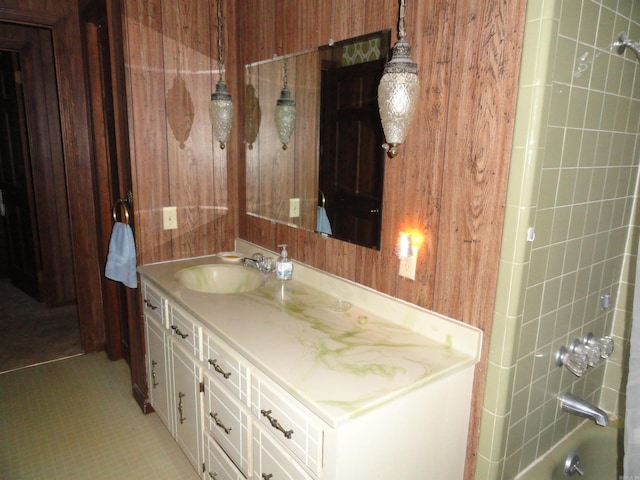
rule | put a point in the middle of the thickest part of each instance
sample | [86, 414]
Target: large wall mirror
[328, 178]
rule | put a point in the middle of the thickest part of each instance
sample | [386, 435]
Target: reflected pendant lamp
[221, 106]
[285, 114]
[398, 91]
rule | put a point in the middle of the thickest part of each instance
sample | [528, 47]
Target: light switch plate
[169, 218]
[294, 207]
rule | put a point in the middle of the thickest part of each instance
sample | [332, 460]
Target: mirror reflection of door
[17, 203]
[352, 158]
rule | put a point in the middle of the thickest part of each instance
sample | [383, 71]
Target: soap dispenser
[284, 265]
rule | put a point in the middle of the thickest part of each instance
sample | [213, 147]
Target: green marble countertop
[338, 364]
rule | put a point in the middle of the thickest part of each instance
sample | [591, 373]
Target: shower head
[624, 42]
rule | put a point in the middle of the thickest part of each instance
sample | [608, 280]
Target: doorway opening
[40, 319]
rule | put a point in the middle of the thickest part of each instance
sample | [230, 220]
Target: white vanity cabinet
[276, 384]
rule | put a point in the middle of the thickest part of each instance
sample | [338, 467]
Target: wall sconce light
[398, 91]
[221, 106]
[285, 115]
[404, 246]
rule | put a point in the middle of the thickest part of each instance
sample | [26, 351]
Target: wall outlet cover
[408, 267]
[169, 218]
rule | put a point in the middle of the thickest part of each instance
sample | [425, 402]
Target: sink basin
[216, 278]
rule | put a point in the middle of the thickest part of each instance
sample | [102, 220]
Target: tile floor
[76, 419]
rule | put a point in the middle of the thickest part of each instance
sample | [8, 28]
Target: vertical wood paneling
[172, 71]
[187, 64]
[147, 126]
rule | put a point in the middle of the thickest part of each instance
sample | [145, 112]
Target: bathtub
[599, 449]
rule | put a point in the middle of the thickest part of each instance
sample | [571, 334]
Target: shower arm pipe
[624, 42]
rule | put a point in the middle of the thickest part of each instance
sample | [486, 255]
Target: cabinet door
[157, 370]
[187, 402]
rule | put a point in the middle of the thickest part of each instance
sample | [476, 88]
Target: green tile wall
[573, 179]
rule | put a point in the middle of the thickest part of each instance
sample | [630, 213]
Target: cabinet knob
[178, 332]
[153, 373]
[275, 424]
[150, 305]
[180, 397]
[267, 476]
[219, 369]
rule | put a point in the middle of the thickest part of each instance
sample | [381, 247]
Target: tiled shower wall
[573, 183]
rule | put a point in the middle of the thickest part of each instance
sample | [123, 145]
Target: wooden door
[352, 158]
[17, 203]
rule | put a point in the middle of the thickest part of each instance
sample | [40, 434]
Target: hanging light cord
[401, 28]
[285, 80]
[220, 61]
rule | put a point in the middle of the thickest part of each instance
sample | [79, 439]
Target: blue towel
[323, 225]
[121, 260]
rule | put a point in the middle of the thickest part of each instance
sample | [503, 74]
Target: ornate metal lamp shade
[221, 112]
[398, 92]
[285, 114]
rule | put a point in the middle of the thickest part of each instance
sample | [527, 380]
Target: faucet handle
[575, 362]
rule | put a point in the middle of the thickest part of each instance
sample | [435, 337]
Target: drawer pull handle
[267, 476]
[213, 475]
[275, 424]
[178, 332]
[180, 397]
[153, 373]
[150, 305]
[219, 423]
[219, 369]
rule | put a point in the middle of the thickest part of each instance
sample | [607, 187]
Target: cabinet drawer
[228, 422]
[153, 303]
[226, 366]
[217, 464]
[185, 331]
[270, 461]
[288, 421]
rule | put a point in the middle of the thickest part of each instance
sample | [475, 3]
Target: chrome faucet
[577, 406]
[259, 262]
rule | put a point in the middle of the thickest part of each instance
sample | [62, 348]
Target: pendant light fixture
[398, 91]
[221, 106]
[285, 115]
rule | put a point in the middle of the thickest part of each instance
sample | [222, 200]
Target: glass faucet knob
[576, 363]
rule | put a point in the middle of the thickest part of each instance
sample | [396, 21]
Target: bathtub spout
[577, 406]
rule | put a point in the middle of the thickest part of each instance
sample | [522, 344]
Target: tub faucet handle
[572, 465]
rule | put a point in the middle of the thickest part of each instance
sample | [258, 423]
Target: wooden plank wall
[172, 70]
